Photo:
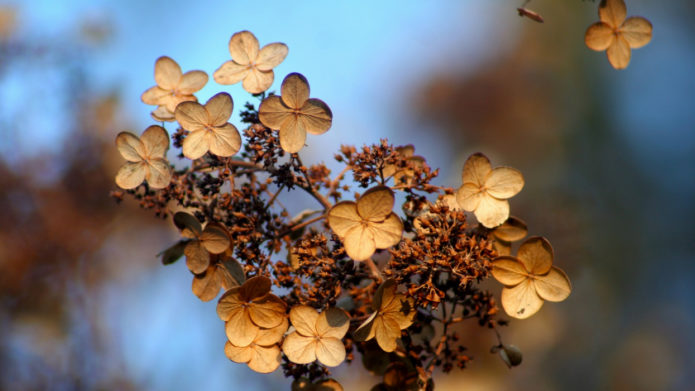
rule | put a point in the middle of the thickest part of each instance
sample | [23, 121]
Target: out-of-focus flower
[208, 127]
[173, 87]
[145, 156]
[316, 336]
[405, 174]
[211, 240]
[262, 354]
[393, 312]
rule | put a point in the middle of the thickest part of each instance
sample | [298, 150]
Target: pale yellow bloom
[173, 87]
[316, 336]
[146, 158]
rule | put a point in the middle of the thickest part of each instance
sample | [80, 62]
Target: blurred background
[608, 157]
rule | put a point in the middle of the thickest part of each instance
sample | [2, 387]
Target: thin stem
[335, 182]
[301, 225]
[310, 188]
[373, 269]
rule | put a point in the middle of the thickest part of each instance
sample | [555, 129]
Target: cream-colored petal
[492, 212]
[299, 349]
[192, 116]
[271, 336]
[388, 233]
[271, 56]
[384, 295]
[511, 230]
[522, 300]
[304, 320]
[332, 323]
[268, 311]
[231, 73]
[162, 114]
[637, 31]
[131, 175]
[197, 257]
[196, 144]
[240, 330]
[170, 102]
[158, 173]
[508, 270]
[229, 304]
[292, 136]
[215, 239]
[206, 286]
[219, 109]
[256, 287]
[536, 254]
[257, 81]
[241, 355]
[504, 182]
[612, 12]
[468, 196]
[191, 82]
[401, 310]
[554, 286]
[265, 359]
[619, 53]
[156, 141]
[273, 113]
[359, 243]
[294, 90]
[342, 217]
[330, 351]
[154, 95]
[226, 140]
[376, 204]
[475, 169]
[243, 46]
[130, 147]
[316, 117]
[167, 73]
[386, 331]
[599, 36]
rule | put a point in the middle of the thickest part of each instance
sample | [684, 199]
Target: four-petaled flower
[529, 278]
[316, 336]
[145, 156]
[368, 224]
[208, 127]
[211, 240]
[617, 35]
[294, 114]
[485, 191]
[262, 354]
[253, 66]
[172, 88]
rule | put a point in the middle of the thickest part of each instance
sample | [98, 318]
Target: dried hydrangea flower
[316, 336]
[211, 240]
[368, 224]
[485, 191]
[253, 66]
[262, 354]
[209, 128]
[617, 35]
[393, 312]
[294, 114]
[510, 231]
[226, 274]
[248, 308]
[173, 87]
[529, 278]
[404, 175]
[146, 158]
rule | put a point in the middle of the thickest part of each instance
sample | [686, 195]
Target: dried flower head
[211, 240]
[368, 224]
[393, 312]
[208, 127]
[294, 114]
[529, 278]
[253, 66]
[262, 354]
[485, 191]
[146, 158]
[617, 35]
[173, 87]
[512, 230]
[316, 336]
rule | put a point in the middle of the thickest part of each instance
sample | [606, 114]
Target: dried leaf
[173, 253]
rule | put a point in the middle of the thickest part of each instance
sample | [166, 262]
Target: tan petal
[522, 300]
[316, 117]
[511, 230]
[197, 257]
[359, 243]
[271, 56]
[271, 336]
[257, 81]
[206, 286]
[637, 31]
[240, 330]
[612, 12]
[292, 136]
[162, 114]
[554, 286]
[343, 217]
[230, 273]
[294, 90]
[231, 73]
[183, 220]
[265, 359]
[384, 294]
[536, 254]
[229, 304]
[304, 320]
[226, 140]
[192, 81]
[215, 239]
[243, 46]
[156, 141]
[154, 95]
[330, 351]
[170, 102]
[376, 204]
[130, 147]
[508, 270]
[469, 195]
[502, 247]
[268, 311]
[131, 175]
[365, 331]
[388, 233]
[402, 311]
[476, 169]
[192, 116]
[332, 323]
[299, 349]
[241, 355]
[255, 287]
[599, 36]
[386, 331]
[619, 53]
[167, 73]
[504, 182]
[492, 212]
[196, 144]
[273, 113]
[158, 174]
[219, 109]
